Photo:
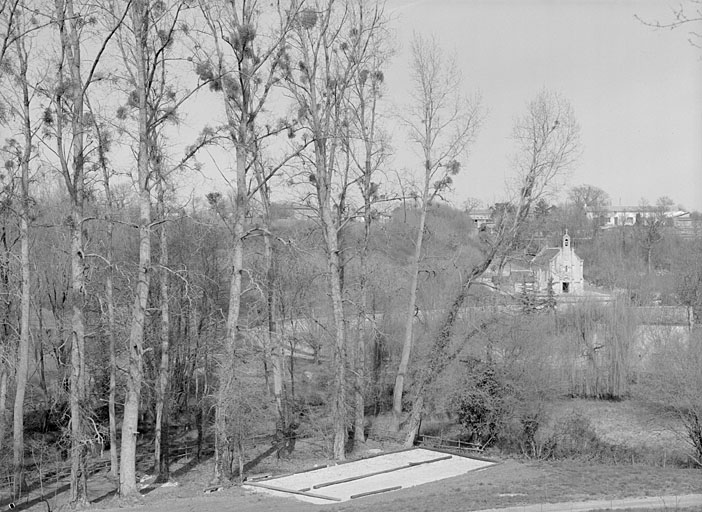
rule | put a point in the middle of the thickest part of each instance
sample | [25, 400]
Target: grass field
[512, 482]
[508, 484]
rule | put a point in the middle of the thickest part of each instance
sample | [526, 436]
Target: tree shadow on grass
[109, 494]
[183, 470]
[24, 502]
[275, 448]
[207, 455]
[186, 468]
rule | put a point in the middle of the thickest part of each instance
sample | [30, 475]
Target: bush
[525, 435]
[574, 438]
[480, 403]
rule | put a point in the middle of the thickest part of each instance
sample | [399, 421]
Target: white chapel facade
[560, 268]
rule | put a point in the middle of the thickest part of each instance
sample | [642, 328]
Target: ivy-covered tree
[547, 138]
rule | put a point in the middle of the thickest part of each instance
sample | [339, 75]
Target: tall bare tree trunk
[223, 451]
[366, 91]
[112, 395]
[109, 297]
[410, 316]
[340, 356]
[74, 177]
[4, 327]
[365, 332]
[161, 465]
[366, 328]
[135, 376]
[325, 146]
[111, 326]
[334, 269]
[23, 349]
[79, 477]
[273, 341]
[3, 403]
[366, 320]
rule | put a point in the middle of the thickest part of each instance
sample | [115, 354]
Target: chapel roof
[545, 256]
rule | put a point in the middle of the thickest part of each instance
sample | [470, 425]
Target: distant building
[614, 216]
[688, 226]
[558, 267]
[482, 217]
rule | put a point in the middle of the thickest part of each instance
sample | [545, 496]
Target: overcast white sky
[637, 92]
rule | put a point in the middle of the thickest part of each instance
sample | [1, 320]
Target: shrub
[527, 436]
[480, 402]
[574, 438]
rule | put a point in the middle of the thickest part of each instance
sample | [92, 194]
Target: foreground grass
[514, 483]
[508, 484]
[668, 509]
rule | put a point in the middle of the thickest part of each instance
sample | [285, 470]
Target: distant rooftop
[636, 209]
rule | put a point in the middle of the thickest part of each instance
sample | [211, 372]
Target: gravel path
[660, 502]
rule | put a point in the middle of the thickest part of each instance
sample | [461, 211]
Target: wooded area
[322, 288]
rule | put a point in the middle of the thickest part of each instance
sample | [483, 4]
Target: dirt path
[660, 502]
[247, 502]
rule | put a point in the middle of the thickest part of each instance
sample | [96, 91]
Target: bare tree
[328, 43]
[246, 64]
[7, 301]
[71, 136]
[146, 151]
[23, 155]
[547, 139]
[22, 366]
[588, 204]
[650, 226]
[589, 196]
[154, 102]
[104, 142]
[286, 421]
[161, 463]
[368, 147]
[3, 400]
[442, 122]
[686, 14]
[9, 10]
[273, 340]
[148, 45]
[14, 25]
[18, 103]
[71, 103]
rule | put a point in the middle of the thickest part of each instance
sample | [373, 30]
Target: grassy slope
[510, 483]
